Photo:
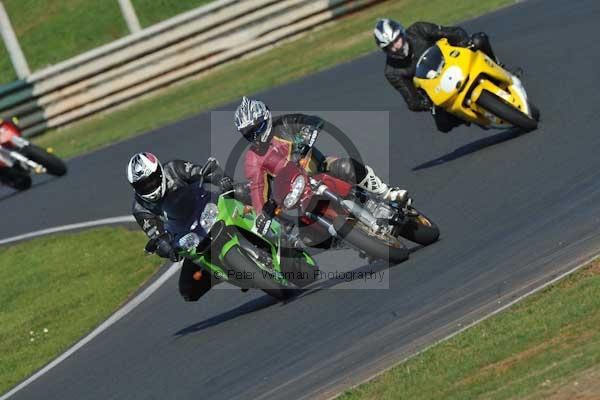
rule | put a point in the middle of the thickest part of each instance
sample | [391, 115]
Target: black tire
[354, 233]
[22, 183]
[535, 112]
[54, 165]
[237, 260]
[420, 229]
[506, 112]
[296, 269]
[16, 179]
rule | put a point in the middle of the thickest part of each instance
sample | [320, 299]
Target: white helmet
[253, 120]
[145, 174]
[386, 32]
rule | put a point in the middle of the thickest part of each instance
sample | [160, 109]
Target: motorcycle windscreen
[430, 64]
[183, 208]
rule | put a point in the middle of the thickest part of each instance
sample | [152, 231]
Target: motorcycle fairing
[460, 77]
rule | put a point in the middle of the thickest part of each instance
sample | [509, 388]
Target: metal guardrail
[160, 55]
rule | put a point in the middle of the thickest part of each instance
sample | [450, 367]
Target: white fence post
[130, 17]
[12, 45]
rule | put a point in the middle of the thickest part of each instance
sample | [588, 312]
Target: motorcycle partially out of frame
[19, 158]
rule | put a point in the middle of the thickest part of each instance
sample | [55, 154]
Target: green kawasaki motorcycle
[215, 232]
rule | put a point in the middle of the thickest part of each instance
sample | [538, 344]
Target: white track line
[450, 336]
[64, 228]
[104, 326]
[126, 309]
[174, 267]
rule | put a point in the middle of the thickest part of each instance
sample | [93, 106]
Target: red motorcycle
[331, 209]
[19, 159]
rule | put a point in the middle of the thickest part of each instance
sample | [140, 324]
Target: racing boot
[372, 183]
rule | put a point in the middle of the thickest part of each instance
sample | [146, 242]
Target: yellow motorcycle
[471, 86]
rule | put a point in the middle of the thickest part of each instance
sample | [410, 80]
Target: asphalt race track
[514, 211]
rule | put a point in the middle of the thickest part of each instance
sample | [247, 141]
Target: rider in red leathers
[275, 141]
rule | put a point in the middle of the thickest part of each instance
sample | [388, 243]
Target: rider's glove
[164, 248]
[226, 184]
[264, 220]
[466, 42]
[425, 102]
[210, 166]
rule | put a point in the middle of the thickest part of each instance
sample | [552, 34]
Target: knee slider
[348, 169]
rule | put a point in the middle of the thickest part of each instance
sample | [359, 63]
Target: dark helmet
[386, 33]
[146, 175]
[254, 121]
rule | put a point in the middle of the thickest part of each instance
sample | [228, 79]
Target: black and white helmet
[254, 121]
[386, 32]
[146, 175]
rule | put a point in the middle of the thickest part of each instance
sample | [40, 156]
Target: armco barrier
[160, 55]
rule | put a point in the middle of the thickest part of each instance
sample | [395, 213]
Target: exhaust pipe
[324, 223]
[363, 215]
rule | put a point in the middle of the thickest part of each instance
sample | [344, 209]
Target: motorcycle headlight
[294, 195]
[189, 241]
[209, 216]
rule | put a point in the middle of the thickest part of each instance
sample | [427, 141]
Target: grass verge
[344, 40]
[53, 31]
[54, 290]
[548, 346]
[150, 12]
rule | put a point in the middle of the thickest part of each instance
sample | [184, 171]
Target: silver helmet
[386, 33]
[146, 175]
[254, 121]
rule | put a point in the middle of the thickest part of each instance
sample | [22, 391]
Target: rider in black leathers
[151, 182]
[402, 59]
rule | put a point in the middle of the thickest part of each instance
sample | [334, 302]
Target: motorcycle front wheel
[506, 112]
[297, 269]
[237, 260]
[420, 229]
[54, 165]
[387, 247]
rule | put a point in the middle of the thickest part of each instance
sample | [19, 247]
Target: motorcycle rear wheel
[54, 165]
[16, 179]
[506, 112]
[358, 235]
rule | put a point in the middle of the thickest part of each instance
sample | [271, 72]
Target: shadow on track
[332, 282]
[267, 301]
[246, 308]
[14, 192]
[471, 148]
[7, 196]
[372, 268]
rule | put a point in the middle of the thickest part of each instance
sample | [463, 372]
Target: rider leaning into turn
[275, 141]
[151, 182]
[404, 47]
